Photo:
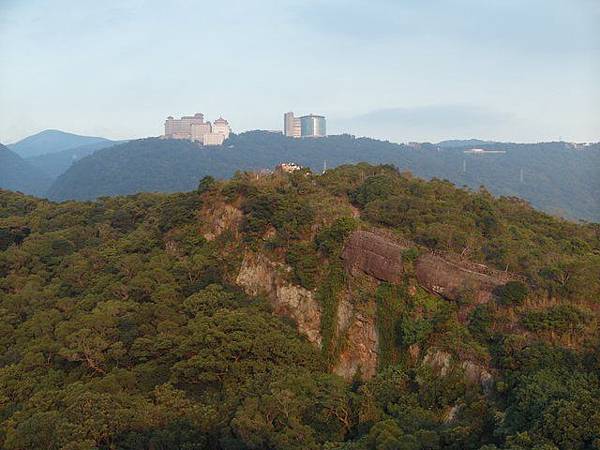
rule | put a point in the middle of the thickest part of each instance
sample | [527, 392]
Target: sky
[399, 70]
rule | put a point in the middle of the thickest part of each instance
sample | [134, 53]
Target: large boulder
[458, 280]
[375, 255]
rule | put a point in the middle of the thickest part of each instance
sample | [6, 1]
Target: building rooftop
[312, 115]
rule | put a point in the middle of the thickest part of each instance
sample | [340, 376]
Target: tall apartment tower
[313, 126]
[305, 126]
[291, 125]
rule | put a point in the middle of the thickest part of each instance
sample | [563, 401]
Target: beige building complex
[194, 128]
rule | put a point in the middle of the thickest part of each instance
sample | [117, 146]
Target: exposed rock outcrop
[361, 340]
[478, 375]
[442, 363]
[374, 255]
[439, 361]
[258, 275]
[456, 280]
[219, 218]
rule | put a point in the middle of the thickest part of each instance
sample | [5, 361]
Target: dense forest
[553, 174]
[160, 320]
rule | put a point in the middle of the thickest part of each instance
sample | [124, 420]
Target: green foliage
[377, 187]
[285, 210]
[177, 210]
[10, 236]
[498, 232]
[480, 322]
[553, 170]
[511, 293]
[328, 296]
[121, 325]
[330, 240]
[302, 257]
[410, 331]
[390, 301]
[206, 184]
[560, 318]
[554, 400]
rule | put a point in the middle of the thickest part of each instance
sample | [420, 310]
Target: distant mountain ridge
[551, 176]
[16, 174]
[52, 141]
[453, 143]
[55, 164]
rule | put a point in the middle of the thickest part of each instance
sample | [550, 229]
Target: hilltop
[359, 309]
[554, 174]
[52, 141]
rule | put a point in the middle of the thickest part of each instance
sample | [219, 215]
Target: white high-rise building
[291, 125]
[305, 126]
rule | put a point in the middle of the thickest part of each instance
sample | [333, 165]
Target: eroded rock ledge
[375, 255]
[454, 280]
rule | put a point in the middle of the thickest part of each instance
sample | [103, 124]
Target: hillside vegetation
[57, 163]
[251, 314]
[556, 177]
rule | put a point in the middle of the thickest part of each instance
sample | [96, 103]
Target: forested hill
[19, 175]
[557, 178]
[359, 309]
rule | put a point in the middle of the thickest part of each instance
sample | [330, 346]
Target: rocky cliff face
[219, 218]
[369, 258]
[355, 326]
[374, 255]
[358, 331]
[456, 280]
[258, 275]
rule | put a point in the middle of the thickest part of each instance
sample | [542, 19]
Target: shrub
[557, 318]
[302, 257]
[206, 184]
[331, 239]
[512, 293]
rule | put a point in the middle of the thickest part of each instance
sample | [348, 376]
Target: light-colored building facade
[221, 126]
[287, 167]
[305, 126]
[181, 128]
[291, 125]
[213, 139]
[194, 128]
[199, 130]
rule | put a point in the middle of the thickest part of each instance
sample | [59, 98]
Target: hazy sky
[520, 70]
